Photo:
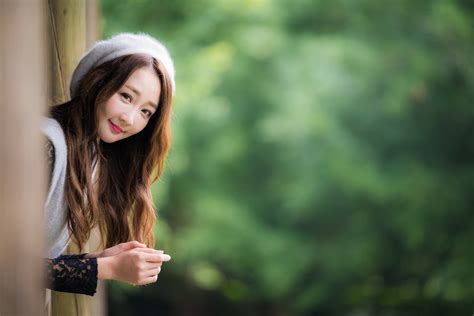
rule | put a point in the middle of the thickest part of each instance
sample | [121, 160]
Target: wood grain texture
[73, 24]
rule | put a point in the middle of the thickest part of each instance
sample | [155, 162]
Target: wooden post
[68, 30]
[74, 27]
[23, 99]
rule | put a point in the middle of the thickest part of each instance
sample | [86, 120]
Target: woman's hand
[138, 266]
[115, 250]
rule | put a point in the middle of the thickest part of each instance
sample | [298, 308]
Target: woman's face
[128, 110]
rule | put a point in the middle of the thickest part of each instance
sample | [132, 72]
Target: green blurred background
[322, 161]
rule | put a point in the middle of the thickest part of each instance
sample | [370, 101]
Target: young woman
[106, 146]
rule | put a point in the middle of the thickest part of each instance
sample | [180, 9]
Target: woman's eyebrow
[138, 93]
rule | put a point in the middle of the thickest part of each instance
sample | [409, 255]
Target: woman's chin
[108, 138]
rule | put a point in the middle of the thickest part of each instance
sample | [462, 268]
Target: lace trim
[72, 273]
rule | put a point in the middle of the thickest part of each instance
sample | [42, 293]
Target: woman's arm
[130, 262]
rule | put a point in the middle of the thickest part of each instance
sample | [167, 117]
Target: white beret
[121, 45]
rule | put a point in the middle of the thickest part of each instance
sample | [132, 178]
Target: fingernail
[165, 257]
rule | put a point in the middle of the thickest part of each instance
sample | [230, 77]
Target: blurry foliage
[322, 161]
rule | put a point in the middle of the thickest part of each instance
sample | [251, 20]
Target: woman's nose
[127, 118]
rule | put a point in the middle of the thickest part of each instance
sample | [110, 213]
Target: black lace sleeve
[72, 273]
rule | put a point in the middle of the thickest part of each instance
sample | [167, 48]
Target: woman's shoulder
[50, 127]
[55, 136]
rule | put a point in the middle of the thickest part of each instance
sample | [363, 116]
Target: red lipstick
[115, 128]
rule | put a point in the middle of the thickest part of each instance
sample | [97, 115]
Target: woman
[106, 147]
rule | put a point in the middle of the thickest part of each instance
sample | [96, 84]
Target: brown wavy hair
[118, 198]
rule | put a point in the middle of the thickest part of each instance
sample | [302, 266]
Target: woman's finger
[136, 244]
[149, 250]
[148, 280]
[152, 265]
[152, 272]
[130, 245]
[156, 258]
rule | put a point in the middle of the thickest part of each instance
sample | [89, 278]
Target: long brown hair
[118, 198]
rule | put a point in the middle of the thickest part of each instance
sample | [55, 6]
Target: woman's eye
[126, 97]
[148, 113]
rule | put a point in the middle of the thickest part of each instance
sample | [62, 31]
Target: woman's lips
[115, 129]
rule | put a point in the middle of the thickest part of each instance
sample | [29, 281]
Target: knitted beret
[121, 45]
